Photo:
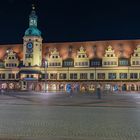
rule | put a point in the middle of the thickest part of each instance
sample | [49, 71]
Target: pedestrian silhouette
[98, 90]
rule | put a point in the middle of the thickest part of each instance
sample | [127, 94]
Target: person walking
[98, 90]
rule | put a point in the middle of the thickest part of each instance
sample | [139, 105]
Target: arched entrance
[31, 86]
[17, 86]
[83, 87]
[4, 86]
[132, 87]
[38, 87]
[11, 86]
[76, 87]
[91, 87]
[124, 87]
[52, 87]
[115, 88]
[62, 87]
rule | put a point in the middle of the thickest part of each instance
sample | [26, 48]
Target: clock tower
[32, 42]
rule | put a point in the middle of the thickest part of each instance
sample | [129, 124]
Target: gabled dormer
[109, 52]
[81, 59]
[110, 59]
[54, 59]
[11, 60]
[135, 57]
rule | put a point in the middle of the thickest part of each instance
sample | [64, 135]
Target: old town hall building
[37, 66]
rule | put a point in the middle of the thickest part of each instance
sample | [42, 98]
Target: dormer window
[83, 56]
[9, 57]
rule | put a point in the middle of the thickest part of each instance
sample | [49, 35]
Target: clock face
[29, 47]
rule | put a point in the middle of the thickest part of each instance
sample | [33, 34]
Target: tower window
[30, 31]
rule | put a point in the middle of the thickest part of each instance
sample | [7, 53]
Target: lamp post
[95, 64]
[45, 66]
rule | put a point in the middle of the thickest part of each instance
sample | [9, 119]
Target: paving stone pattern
[22, 119]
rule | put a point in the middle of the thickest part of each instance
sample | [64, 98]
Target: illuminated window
[134, 75]
[112, 62]
[73, 75]
[69, 63]
[2, 75]
[45, 75]
[62, 76]
[91, 75]
[111, 76]
[137, 62]
[11, 76]
[123, 62]
[17, 76]
[123, 75]
[83, 76]
[53, 76]
[101, 75]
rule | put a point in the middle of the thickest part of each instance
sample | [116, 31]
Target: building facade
[37, 66]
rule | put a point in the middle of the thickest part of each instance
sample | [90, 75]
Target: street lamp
[45, 67]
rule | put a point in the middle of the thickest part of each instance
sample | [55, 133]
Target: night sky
[71, 20]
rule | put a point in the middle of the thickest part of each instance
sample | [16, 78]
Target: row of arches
[75, 86]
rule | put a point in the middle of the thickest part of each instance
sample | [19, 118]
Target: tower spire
[33, 17]
[33, 7]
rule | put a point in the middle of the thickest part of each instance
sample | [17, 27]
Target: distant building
[51, 66]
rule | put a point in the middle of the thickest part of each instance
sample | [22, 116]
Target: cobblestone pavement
[53, 116]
